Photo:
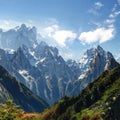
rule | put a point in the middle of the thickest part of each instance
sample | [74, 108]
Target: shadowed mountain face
[99, 101]
[10, 88]
[40, 67]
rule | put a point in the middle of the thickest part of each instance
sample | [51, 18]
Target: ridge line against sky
[71, 26]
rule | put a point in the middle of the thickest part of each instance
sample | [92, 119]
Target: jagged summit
[95, 50]
[23, 27]
[91, 65]
[16, 37]
[99, 47]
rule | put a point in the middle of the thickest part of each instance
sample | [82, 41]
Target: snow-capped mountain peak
[91, 65]
[14, 38]
[91, 54]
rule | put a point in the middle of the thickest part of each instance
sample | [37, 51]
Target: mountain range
[43, 70]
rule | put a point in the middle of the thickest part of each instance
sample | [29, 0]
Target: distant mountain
[52, 75]
[99, 101]
[10, 88]
[14, 38]
[91, 65]
[41, 69]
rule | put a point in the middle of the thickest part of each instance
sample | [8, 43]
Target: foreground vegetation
[10, 111]
[99, 101]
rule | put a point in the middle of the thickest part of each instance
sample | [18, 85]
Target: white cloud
[50, 30]
[67, 55]
[99, 35]
[98, 5]
[114, 7]
[105, 31]
[114, 14]
[110, 21]
[117, 13]
[93, 11]
[7, 24]
[50, 21]
[96, 23]
[62, 36]
[112, 17]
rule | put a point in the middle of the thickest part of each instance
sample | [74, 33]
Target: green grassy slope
[99, 101]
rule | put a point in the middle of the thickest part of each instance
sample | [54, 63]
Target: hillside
[21, 95]
[99, 101]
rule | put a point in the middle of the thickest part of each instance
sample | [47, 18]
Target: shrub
[10, 111]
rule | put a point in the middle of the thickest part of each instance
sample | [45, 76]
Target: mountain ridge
[20, 94]
[91, 65]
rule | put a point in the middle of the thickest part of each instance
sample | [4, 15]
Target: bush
[10, 111]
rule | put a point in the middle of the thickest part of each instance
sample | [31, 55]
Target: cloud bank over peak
[60, 36]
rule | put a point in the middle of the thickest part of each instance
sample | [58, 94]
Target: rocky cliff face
[91, 65]
[54, 74]
[41, 69]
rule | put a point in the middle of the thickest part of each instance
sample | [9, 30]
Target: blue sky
[72, 26]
